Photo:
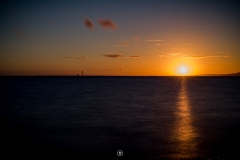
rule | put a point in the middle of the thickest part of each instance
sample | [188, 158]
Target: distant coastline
[231, 74]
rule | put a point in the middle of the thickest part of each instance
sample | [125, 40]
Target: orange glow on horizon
[179, 67]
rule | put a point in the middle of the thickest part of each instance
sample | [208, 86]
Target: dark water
[145, 117]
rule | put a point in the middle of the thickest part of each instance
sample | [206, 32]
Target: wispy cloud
[109, 52]
[163, 55]
[169, 54]
[173, 54]
[81, 57]
[195, 56]
[135, 56]
[113, 55]
[154, 40]
[190, 49]
[121, 44]
[204, 56]
[189, 43]
[88, 23]
[107, 23]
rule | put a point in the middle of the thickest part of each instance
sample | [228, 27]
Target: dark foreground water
[145, 117]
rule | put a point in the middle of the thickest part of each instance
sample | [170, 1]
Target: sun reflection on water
[184, 133]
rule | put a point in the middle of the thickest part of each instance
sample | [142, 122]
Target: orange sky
[138, 38]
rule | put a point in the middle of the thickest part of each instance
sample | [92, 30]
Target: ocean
[144, 117]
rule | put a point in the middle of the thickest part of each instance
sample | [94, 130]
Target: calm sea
[145, 117]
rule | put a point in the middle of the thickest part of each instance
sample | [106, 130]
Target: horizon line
[201, 75]
[89, 75]
[79, 75]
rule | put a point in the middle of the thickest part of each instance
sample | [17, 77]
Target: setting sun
[159, 70]
[183, 70]
[165, 42]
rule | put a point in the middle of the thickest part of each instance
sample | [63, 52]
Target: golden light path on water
[184, 135]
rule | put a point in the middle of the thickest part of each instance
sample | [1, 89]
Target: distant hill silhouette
[231, 74]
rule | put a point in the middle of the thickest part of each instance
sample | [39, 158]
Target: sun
[183, 70]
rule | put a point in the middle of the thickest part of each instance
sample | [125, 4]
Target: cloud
[120, 69]
[190, 49]
[169, 54]
[113, 55]
[134, 56]
[122, 44]
[173, 54]
[221, 56]
[109, 52]
[195, 56]
[88, 23]
[163, 56]
[81, 57]
[189, 43]
[107, 23]
[204, 56]
[154, 40]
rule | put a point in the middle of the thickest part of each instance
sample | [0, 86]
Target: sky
[119, 37]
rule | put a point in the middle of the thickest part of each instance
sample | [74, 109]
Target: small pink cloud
[88, 23]
[107, 23]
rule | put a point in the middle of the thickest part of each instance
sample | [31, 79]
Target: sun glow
[183, 70]
[182, 67]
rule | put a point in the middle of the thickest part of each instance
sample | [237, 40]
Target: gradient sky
[135, 37]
